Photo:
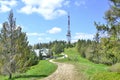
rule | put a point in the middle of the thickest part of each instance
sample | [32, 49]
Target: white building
[44, 52]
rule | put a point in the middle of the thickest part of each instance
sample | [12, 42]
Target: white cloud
[79, 3]
[67, 3]
[6, 5]
[40, 39]
[49, 9]
[48, 38]
[44, 39]
[54, 30]
[35, 34]
[84, 36]
[0, 26]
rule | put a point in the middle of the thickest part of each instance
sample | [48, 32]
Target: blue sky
[46, 20]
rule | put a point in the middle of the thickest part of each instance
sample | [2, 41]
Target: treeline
[56, 47]
[106, 45]
[15, 53]
[84, 47]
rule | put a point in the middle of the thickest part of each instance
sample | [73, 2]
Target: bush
[115, 68]
[73, 58]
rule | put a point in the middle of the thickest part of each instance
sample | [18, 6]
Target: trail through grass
[88, 70]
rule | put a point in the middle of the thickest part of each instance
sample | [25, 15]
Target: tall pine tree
[15, 52]
[109, 36]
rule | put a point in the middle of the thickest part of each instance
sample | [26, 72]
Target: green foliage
[48, 45]
[106, 52]
[106, 49]
[58, 48]
[84, 47]
[15, 53]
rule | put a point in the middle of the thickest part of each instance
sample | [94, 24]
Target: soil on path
[64, 72]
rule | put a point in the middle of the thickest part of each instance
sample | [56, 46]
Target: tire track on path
[64, 72]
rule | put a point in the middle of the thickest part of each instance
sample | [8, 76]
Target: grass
[43, 69]
[3, 77]
[87, 69]
[106, 76]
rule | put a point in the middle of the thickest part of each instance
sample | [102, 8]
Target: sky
[47, 20]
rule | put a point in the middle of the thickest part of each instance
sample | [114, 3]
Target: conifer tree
[109, 36]
[15, 53]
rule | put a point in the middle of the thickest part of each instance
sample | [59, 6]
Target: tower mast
[69, 32]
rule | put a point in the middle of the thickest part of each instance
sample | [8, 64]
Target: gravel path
[63, 72]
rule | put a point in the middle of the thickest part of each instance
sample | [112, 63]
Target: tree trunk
[10, 76]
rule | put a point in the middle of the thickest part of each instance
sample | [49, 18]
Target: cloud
[35, 34]
[49, 9]
[67, 3]
[84, 36]
[44, 39]
[40, 39]
[6, 5]
[0, 26]
[48, 38]
[54, 30]
[79, 3]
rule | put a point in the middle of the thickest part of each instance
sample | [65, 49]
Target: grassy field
[41, 70]
[87, 69]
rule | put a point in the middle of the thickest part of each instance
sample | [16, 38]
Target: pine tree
[15, 52]
[8, 50]
[109, 36]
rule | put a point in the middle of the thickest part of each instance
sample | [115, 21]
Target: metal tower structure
[69, 32]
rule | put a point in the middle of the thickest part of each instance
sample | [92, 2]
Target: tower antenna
[69, 32]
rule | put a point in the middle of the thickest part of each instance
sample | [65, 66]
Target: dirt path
[63, 72]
